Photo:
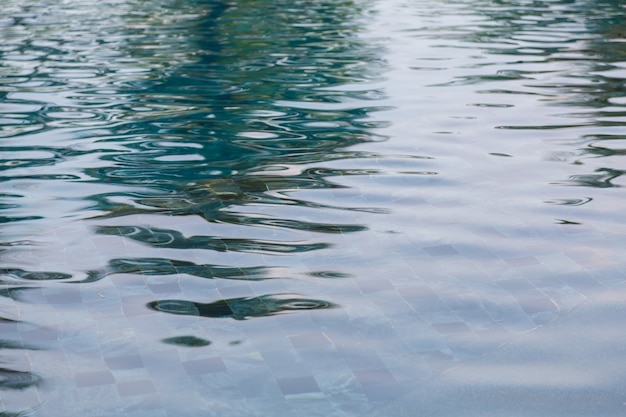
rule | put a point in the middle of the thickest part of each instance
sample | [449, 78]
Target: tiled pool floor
[572, 366]
[395, 325]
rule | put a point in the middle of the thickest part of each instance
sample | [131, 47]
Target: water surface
[252, 208]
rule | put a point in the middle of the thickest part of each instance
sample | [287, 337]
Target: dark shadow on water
[162, 266]
[16, 380]
[16, 278]
[14, 377]
[9, 275]
[241, 308]
[601, 179]
[187, 341]
[175, 240]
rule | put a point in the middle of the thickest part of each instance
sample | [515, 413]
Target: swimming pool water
[332, 208]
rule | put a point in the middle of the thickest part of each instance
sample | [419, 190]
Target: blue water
[294, 208]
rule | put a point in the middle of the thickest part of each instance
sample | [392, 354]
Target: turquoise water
[333, 208]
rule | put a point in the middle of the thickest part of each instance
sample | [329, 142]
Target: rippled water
[254, 208]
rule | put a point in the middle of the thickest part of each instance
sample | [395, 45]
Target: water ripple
[387, 184]
[162, 266]
[241, 308]
[175, 240]
[17, 380]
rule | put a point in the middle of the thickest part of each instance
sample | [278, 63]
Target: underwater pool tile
[438, 360]
[536, 304]
[313, 404]
[441, 250]
[310, 340]
[389, 300]
[476, 251]
[545, 280]
[161, 361]
[281, 361]
[423, 299]
[451, 328]
[41, 334]
[566, 298]
[236, 291]
[609, 277]
[146, 405]
[360, 357]
[23, 399]
[522, 261]
[492, 332]
[128, 284]
[204, 366]
[94, 378]
[517, 285]
[335, 260]
[558, 262]
[412, 327]
[298, 385]
[108, 245]
[587, 258]
[466, 346]
[374, 376]
[374, 328]
[583, 282]
[100, 295]
[135, 306]
[31, 295]
[373, 286]
[509, 314]
[460, 300]
[406, 249]
[383, 392]
[126, 389]
[294, 323]
[164, 288]
[124, 362]
[83, 345]
[348, 404]
[63, 297]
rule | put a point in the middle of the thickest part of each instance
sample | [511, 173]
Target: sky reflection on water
[399, 205]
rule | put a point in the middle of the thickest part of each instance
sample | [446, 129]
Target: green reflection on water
[241, 308]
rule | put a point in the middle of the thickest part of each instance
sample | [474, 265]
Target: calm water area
[332, 208]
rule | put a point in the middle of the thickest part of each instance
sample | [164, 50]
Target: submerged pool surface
[294, 208]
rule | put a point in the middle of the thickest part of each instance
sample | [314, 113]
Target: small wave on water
[251, 208]
[175, 152]
[240, 308]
